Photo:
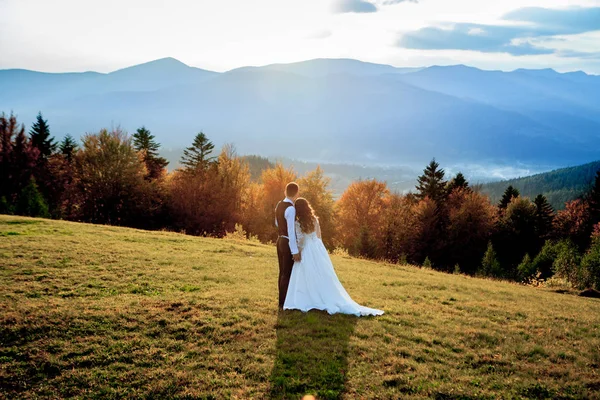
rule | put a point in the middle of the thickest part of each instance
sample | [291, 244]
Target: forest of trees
[446, 224]
[559, 186]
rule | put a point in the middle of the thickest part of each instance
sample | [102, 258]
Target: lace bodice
[301, 237]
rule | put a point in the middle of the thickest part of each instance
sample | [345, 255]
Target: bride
[314, 284]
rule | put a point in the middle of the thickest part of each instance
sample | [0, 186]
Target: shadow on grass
[312, 354]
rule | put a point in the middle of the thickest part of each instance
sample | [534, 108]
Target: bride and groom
[307, 279]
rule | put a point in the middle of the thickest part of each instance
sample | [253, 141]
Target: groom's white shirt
[290, 217]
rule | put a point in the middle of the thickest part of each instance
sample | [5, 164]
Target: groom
[287, 248]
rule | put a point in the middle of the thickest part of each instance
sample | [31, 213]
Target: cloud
[484, 38]
[513, 39]
[391, 2]
[353, 6]
[565, 21]
[587, 55]
[322, 34]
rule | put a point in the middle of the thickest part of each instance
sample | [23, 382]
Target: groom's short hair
[291, 189]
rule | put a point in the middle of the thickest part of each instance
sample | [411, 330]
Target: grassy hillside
[105, 312]
[559, 186]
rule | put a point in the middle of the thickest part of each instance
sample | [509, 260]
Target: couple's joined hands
[297, 257]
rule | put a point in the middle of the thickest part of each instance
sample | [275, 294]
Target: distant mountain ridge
[334, 110]
[559, 186]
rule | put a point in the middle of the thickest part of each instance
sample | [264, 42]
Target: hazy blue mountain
[321, 67]
[331, 110]
[559, 186]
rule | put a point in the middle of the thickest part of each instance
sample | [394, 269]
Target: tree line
[446, 224]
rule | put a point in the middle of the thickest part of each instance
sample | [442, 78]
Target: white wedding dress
[314, 283]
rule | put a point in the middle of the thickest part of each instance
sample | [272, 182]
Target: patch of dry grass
[104, 312]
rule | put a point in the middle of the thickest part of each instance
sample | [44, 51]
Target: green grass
[104, 312]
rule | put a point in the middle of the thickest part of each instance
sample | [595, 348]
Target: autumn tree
[145, 143]
[400, 229]
[472, 220]
[314, 186]
[234, 177]
[360, 211]
[111, 178]
[272, 187]
[574, 223]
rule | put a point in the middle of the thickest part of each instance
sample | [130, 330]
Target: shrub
[526, 269]
[542, 263]
[567, 263]
[590, 264]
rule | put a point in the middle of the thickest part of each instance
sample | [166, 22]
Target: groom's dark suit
[286, 245]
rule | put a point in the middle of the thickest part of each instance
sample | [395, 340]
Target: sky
[219, 35]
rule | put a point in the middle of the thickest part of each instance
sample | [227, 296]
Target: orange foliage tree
[259, 215]
[471, 222]
[314, 186]
[360, 211]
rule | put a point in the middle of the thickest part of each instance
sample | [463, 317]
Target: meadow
[90, 311]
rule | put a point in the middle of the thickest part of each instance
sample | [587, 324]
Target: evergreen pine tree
[544, 216]
[30, 201]
[431, 184]
[68, 147]
[197, 156]
[458, 182]
[490, 266]
[144, 142]
[509, 193]
[40, 138]
[593, 198]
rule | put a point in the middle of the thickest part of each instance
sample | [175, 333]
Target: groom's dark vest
[280, 216]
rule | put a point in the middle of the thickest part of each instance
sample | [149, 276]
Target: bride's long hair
[305, 215]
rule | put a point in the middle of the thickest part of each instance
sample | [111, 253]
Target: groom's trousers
[286, 262]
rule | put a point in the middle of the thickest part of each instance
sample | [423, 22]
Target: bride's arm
[299, 236]
[318, 228]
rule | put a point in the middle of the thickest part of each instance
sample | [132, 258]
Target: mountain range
[335, 110]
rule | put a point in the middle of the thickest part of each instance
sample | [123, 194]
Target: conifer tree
[544, 216]
[40, 138]
[593, 198]
[431, 184]
[509, 193]
[143, 141]
[490, 266]
[68, 147]
[458, 182]
[198, 156]
[30, 201]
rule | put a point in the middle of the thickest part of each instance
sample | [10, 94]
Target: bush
[526, 269]
[567, 263]
[5, 206]
[542, 263]
[590, 265]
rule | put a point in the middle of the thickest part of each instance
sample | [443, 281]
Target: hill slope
[106, 312]
[559, 186]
